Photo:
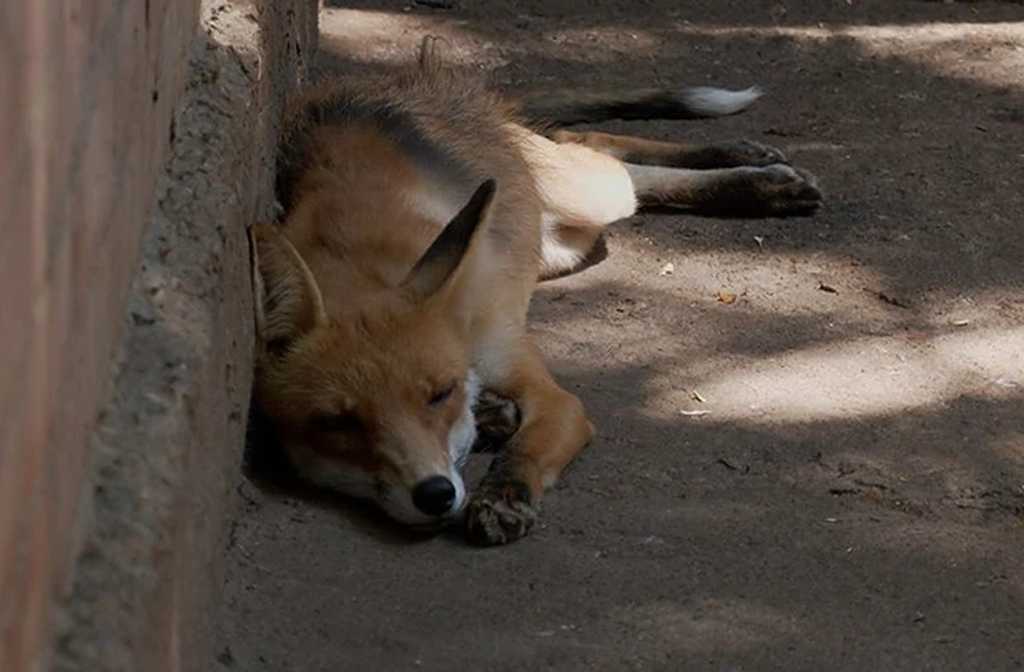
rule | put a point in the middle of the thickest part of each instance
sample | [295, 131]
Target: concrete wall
[139, 138]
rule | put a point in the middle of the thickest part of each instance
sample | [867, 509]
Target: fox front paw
[497, 419]
[499, 514]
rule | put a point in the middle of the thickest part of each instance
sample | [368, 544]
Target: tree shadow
[912, 145]
[886, 221]
[839, 105]
[806, 539]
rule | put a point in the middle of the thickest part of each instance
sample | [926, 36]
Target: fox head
[376, 400]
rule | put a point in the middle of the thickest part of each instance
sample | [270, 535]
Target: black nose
[434, 496]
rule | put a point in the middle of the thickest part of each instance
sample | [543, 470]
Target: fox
[419, 212]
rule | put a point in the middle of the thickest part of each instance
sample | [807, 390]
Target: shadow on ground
[854, 496]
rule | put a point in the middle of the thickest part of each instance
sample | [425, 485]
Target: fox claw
[499, 516]
[497, 419]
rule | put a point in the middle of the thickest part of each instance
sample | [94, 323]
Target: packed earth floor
[810, 450]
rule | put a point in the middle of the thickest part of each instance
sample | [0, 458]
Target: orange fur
[420, 213]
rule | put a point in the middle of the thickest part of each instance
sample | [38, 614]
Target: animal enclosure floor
[853, 497]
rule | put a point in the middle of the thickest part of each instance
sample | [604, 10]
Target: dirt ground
[853, 499]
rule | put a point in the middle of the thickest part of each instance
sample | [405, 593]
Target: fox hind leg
[583, 191]
[589, 180]
[734, 178]
[643, 151]
[774, 190]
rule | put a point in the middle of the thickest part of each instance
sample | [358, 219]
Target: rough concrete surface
[147, 581]
[853, 500]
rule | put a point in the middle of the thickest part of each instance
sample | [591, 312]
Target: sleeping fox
[420, 212]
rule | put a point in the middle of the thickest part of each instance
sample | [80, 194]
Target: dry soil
[853, 499]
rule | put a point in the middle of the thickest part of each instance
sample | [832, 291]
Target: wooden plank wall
[87, 89]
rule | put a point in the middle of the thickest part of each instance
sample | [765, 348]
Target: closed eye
[336, 422]
[442, 395]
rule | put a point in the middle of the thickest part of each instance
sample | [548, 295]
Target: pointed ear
[288, 302]
[431, 60]
[442, 259]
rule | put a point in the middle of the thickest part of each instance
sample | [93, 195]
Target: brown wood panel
[88, 90]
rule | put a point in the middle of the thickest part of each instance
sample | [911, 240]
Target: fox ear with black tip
[440, 265]
[287, 299]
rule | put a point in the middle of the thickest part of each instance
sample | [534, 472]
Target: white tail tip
[715, 102]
